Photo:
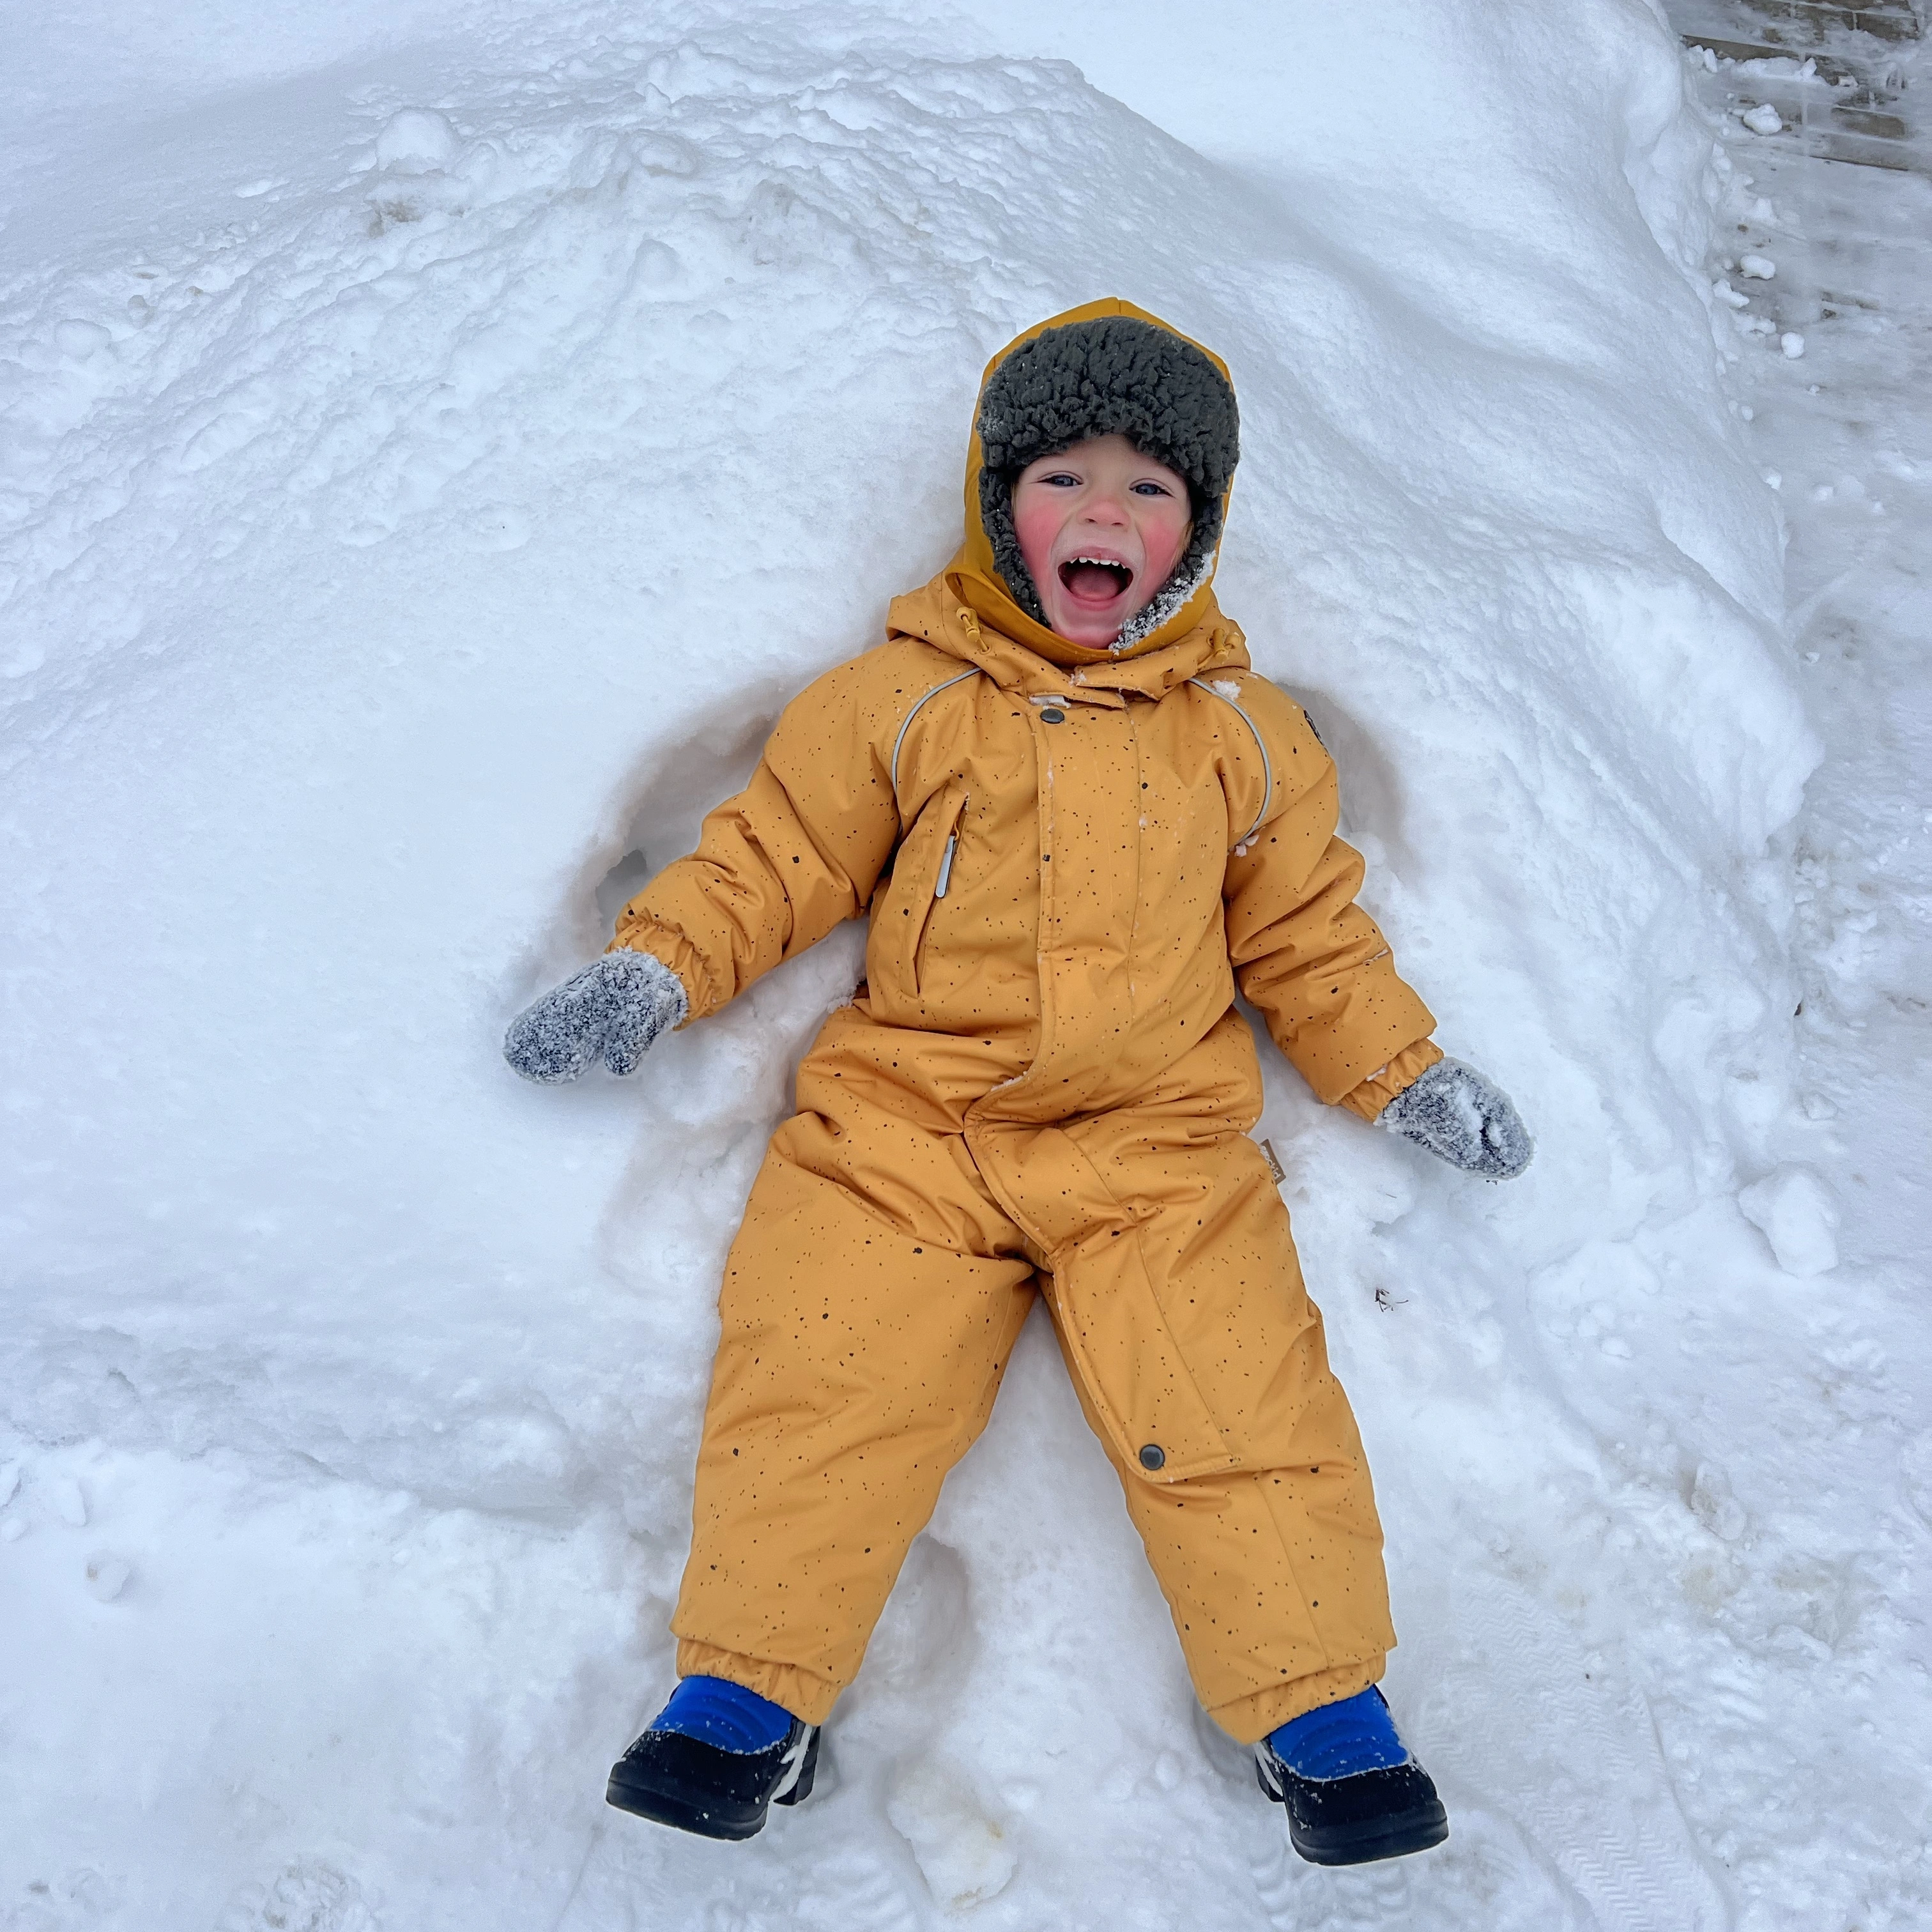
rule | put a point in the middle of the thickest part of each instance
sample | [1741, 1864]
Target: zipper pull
[952, 846]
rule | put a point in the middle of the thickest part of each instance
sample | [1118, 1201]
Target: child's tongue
[1089, 580]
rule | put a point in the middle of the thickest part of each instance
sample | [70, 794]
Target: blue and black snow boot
[1353, 1792]
[714, 1759]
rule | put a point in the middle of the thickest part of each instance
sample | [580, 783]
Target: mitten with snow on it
[611, 1011]
[1463, 1118]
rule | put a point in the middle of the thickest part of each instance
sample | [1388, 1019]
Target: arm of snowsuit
[798, 851]
[1309, 958]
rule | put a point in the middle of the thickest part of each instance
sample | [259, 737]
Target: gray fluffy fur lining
[1116, 375]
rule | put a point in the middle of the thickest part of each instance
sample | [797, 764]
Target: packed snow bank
[416, 509]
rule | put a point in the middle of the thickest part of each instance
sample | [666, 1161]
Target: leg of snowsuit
[1273, 1570]
[870, 1305]
[1201, 1365]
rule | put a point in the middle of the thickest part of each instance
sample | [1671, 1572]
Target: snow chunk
[81, 341]
[1760, 266]
[1793, 343]
[1763, 119]
[1799, 1218]
[416, 141]
[107, 1576]
[962, 1854]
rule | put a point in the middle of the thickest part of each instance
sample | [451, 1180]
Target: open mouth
[1095, 579]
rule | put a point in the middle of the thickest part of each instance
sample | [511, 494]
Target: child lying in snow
[1079, 821]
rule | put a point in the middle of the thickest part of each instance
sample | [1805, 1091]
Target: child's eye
[1062, 479]
[1152, 489]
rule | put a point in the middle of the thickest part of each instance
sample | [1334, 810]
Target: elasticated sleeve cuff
[1402, 1072]
[667, 948]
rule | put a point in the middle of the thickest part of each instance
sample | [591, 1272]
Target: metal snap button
[1152, 1457]
[1052, 715]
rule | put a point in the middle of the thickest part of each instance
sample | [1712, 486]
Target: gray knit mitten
[611, 1011]
[1462, 1118]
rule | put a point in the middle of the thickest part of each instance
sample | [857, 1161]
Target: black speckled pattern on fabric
[611, 1011]
[1116, 375]
[1463, 1118]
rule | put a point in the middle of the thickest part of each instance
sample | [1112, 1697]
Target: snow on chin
[436, 539]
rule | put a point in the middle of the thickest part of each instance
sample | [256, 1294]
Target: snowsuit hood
[1104, 368]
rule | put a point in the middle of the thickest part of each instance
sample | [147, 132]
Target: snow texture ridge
[434, 441]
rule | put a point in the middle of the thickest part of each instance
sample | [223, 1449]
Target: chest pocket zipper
[922, 877]
[956, 813]
[945, 864]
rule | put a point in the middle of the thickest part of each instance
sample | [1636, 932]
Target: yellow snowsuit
[1070, 860]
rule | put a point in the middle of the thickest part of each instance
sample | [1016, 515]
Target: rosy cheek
[1163, 537]
[1036, 521]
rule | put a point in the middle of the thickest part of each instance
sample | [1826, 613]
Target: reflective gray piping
[1268, 769]
[914, 713]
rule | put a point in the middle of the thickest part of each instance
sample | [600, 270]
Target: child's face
[1101, 527]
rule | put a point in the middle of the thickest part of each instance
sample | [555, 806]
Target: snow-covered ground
[434, 439]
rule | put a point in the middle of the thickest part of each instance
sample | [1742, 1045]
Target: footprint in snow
[307, 1896]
